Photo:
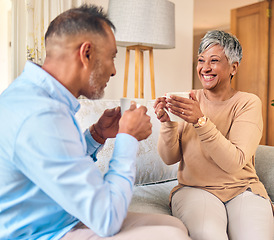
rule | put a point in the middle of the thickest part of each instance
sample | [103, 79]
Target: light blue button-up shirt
[48, 180]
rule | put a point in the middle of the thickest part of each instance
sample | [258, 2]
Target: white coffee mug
[125, 103]
[173, 117]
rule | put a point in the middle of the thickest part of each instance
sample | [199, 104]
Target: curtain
[39, 14]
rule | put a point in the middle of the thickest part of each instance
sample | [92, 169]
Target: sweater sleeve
[169, 144]
[232, 152]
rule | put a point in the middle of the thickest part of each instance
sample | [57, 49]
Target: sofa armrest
[264, 164]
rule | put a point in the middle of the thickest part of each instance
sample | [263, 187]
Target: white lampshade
[143, 22]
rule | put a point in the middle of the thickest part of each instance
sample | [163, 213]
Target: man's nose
[113, 72]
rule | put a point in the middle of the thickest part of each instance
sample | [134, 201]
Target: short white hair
[230, 44]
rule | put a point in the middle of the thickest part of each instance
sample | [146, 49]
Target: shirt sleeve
[93, 147]
[52, 152]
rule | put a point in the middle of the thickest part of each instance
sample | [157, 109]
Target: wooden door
[250, 25]
[270, 135]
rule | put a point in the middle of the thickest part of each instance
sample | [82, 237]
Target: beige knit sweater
[218, 157]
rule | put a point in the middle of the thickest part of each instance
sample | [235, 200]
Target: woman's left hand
[187, 109]
[159, 107]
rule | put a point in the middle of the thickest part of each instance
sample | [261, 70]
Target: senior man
[50, 187]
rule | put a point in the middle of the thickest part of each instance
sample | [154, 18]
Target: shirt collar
[53, 87]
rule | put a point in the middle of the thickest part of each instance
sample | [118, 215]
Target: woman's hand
[187, 109]
[160, 109]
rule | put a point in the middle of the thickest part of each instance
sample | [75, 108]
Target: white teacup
[125, 103]
[175, 118]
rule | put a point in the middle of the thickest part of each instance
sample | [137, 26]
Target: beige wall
[196, 42]
[173, 68]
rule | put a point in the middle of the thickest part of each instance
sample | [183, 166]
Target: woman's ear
[234, 67]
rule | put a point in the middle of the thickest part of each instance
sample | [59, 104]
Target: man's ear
[86, 52]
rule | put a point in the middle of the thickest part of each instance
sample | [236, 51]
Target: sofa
[154, 179]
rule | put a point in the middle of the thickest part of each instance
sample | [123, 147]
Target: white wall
[5, 64]
[172, 67]
[18, 38]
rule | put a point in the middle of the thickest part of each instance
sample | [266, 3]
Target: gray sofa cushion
[152, 198]
[264, 164]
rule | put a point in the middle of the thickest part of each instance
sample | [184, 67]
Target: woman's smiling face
[214, 69]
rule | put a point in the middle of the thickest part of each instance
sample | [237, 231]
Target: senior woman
[219, 195]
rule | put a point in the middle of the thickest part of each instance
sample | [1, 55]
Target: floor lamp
[142, 25]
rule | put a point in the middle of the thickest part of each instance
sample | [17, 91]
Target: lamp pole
[139, 70]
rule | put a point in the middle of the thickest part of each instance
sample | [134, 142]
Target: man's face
[94, 81]
[103, 66]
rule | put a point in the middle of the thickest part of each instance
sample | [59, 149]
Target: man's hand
[107, 125]
[136, 122]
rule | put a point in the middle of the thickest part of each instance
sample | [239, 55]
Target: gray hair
[86, 18]
[230, 44]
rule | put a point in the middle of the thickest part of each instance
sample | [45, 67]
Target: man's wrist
[95, 135]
